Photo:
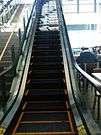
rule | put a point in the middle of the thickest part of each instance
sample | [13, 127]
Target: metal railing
[83, 86]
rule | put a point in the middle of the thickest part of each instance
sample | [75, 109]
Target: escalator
[45, 107]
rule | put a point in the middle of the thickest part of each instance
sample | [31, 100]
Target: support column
[78, 6]
[95, 6]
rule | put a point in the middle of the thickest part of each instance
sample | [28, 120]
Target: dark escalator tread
[52, 36]
[45, 53]
[44, 127]
[44, 97]
[47, 33]
[46, 74]
[46, 45]
[46, 86]
[46, 106]
[48, 90]
[49, 83]
[46, 116]
[46, 48]
[40, 35]
[46, 66]
[47, 40]
[45, 94]
[46, 81]
[47, 59]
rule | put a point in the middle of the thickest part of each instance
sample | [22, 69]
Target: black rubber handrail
[72, 66]
[11, 67]
[93, 81]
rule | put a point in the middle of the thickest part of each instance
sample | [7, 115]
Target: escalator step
[45, 106]
[44, 97]
[46, 48]
[48, 83]
[45, 53]
[45, 74]
[47, 39]
[46, 116]
[47, 33]
[47, 59]
[51, 36]
[46, 91]
[61, 126]
[47, 44]
[46, 71]
[46, 66]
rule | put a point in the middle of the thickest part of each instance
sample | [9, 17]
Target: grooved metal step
[46, 116]
[48, 52]
[46, 66]
[46, 74]
[45, 106]
[41, 127]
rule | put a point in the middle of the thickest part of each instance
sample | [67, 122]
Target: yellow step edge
[47, 133]
[39, 122]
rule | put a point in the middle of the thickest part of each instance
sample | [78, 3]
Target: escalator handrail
[89, 125]
[93, 81]
[4, 72]
[26, 28]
